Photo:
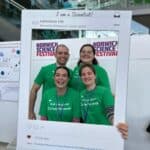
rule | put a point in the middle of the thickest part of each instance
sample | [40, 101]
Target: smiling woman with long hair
[61, 103]
[97, 102]
[87, 56]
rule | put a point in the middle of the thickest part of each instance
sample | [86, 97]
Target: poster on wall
[9, 70]
[38, 134]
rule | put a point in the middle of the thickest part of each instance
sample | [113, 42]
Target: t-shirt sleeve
[76, 105]
[40, 77]
[103, 78]
[43, 106]
[108, 99]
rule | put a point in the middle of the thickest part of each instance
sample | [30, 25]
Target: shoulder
[102, 89]
[99, 68]
[48, 67]
[70, 70]
[76, 68]
[50, 91]
[83, 92]
[72, 91]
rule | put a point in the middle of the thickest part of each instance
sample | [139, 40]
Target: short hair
[87, 65]
[61, 45]
[62, 67]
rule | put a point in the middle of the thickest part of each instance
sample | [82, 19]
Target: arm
[76, 120]
[43, 118]
[110, 114]
[123, 129]
[109, 101]
[33, 96]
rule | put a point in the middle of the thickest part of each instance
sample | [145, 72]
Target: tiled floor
[3, 146]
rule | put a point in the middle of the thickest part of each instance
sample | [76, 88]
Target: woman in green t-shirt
[97, 102]
[60, 103]
[87, 56]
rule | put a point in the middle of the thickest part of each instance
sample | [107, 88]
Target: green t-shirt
[101, 78]
[60, 108]
[45, 77]
[94, 104]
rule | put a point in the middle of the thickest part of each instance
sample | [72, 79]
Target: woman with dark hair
[61, 103]
[87, 56]
[97, 102]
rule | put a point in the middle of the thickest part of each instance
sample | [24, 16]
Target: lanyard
[86, 108]
[85, 111]
[60, 108]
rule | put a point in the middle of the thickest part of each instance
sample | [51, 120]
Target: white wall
[138, 99]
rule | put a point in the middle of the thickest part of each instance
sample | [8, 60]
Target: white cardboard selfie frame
[37, 135]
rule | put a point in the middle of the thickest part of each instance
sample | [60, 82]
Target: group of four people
[83, 95]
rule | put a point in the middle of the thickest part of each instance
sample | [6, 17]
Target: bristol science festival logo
[46, 49]
[106, 48]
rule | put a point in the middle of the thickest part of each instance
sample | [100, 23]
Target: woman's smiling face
[87, 55]
[88, 77]
[61, 78]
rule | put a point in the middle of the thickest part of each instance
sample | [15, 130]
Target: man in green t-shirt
[45, 76]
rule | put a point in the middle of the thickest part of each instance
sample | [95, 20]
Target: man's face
[62, 55]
